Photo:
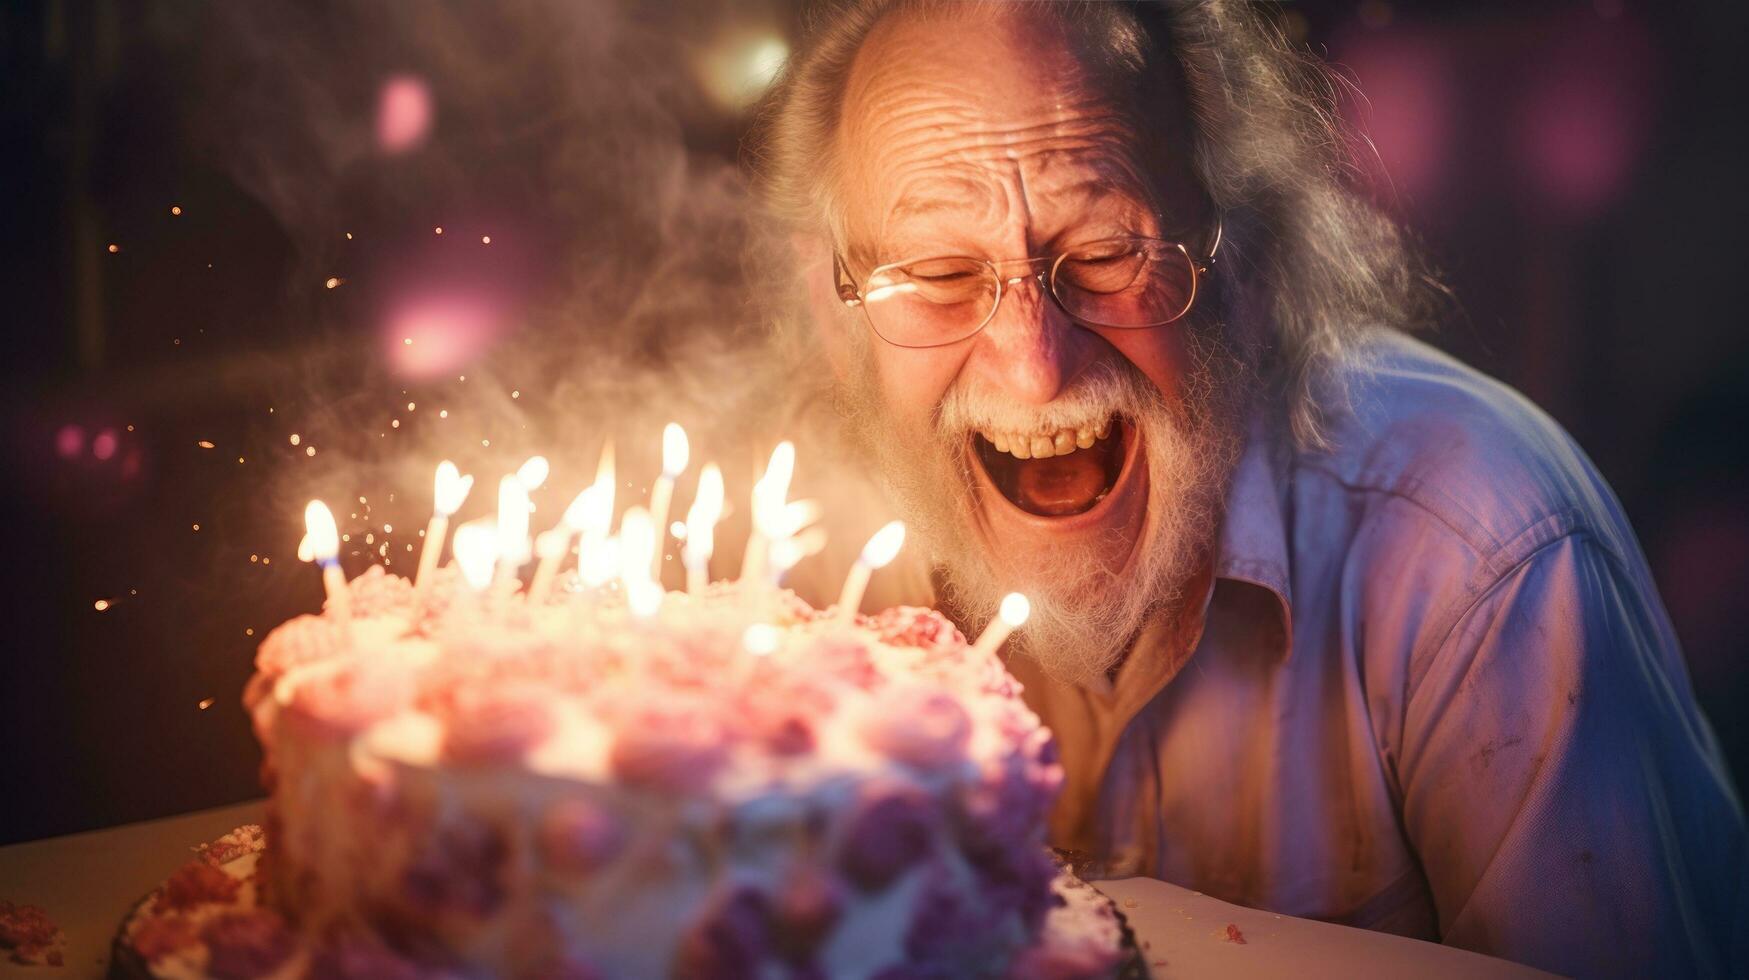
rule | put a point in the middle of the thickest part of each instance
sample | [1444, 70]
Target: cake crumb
[28, 936]
[1234, 935]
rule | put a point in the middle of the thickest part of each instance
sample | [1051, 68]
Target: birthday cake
[476, 783]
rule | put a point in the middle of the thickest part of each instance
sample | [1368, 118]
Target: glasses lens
[931, 301]
[1129, 282]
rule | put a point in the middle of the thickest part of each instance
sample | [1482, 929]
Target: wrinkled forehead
[953, 116]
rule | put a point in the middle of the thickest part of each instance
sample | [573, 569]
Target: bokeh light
[404, 114]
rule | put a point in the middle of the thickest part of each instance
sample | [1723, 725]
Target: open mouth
[1056, 474]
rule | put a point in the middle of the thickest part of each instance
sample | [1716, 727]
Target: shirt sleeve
[1565, 797]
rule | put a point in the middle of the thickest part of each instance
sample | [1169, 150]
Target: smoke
[595, 277]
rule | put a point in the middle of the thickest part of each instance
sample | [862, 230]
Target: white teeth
[1059, 443]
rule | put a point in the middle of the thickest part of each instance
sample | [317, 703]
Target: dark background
[1575, 168]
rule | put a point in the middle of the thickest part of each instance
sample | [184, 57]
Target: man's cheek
[913, 382]
[1158, 353]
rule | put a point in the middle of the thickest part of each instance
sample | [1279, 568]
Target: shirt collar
[1252, 548]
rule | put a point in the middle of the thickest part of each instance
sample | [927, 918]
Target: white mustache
[1096, 395]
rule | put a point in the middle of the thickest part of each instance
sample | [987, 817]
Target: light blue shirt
[1435, 692]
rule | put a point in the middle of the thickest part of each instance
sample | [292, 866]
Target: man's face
[1082, 466]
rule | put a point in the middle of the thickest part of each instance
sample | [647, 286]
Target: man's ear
[825, 310]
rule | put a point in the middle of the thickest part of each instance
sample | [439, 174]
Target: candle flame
[532, 473]
[1015, 609]
[551, 545]
[884, 546]
[604, 479]
[451, 490]
[321, 535]
[772, 491]
[512, 520]
[701, 519]
[675, 450]
[475, 544]
[787, 551]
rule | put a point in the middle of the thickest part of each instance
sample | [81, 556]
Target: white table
[87, 882]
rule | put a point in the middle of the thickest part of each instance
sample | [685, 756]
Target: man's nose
[1030, 347]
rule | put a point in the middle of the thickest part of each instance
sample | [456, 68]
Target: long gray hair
[1312, 264]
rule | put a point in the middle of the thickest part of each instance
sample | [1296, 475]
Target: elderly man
[1325, 622]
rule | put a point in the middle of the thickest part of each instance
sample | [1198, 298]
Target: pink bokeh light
[404, 114]
[70, 441]
[104, 446]
[1584, 118]
[1407, 109]
[437, 333]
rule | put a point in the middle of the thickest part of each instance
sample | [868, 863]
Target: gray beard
[1084, 615]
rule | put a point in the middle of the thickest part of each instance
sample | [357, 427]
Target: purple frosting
[889, 831]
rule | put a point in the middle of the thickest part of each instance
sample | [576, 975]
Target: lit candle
[322, 545]
[770, 494]
[791, 548]
[550, 547]
[532, 473]
[452, 488]
[597, 557]
[476, 546]
[880, 550]
[1014, 611]
[512, 530]
[701, 528]
[674, 455]
[637, 540]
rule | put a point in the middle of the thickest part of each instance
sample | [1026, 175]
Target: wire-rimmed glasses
[1128, 282]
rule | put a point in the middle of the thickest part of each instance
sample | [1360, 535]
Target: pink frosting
[348, 699]
[918, 726]
[300, 640]
[670, 751]
[495, 723]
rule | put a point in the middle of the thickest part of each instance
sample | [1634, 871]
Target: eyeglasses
[1124, 283]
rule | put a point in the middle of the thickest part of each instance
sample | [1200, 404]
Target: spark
[388, 529]
[197, 527]
[485, 239]
[205, 703]
[100, 605]
[248, 631]
[267, 561]
[309, 450]
[205, 444]
[114, 248]
[175, 209]
[254, 558]
[407, 340]
[443, 413]
[347, 537]
[349, 236]
[394, 423]
[295, 438]
[332, 281]
[516, 393]
[239, 459]
[130, 428]
[438, 229]
[409, 406]
[485, 442]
